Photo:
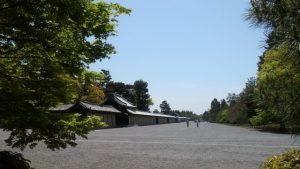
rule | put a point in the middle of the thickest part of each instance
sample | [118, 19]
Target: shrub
[255, 120]
[288, 160]
[262, 118]
[222, 116]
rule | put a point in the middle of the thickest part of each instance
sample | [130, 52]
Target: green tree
[237, 113]
[44, 47]
[223, 104]
[142, 97]
[278, 77]
[165, 107]
[248, 97]
[278, 87]
[281, 20]
[90, 87]
[126, 90]
[155, 111]
[242, 106]
[278, 81]
[222, 116]
[236, 109]
[107, 78]
[205, 116]
[232, 98]
[94, 95]
[214, 110]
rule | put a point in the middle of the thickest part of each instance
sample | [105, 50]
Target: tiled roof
[122, 101]
[183, 117]
[65, 107]
[61, 107]
[143, 113]
[106, 108]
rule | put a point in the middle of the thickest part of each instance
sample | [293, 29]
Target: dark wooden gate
[122, 120]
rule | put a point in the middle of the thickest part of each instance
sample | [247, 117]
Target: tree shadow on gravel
[13, 160]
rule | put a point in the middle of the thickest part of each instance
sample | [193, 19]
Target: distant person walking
[187, 123]
[197, 121]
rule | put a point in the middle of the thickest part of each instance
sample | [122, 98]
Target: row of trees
[166, 109]
[275, 97]
[236, 108]
[278, 79]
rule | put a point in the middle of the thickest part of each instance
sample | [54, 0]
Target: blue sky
[189, 51]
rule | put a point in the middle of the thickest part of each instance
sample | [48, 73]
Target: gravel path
[170, 146]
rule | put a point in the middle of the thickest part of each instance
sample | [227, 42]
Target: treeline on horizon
[236, 108]
[166, 109]
[272, 99]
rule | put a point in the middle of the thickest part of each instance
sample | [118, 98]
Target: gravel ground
[170, 146]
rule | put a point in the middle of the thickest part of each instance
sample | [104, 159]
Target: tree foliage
[214, 110]
[205, 115]
[279, 86]
[288, 160]
[222, 116]
[44, 47]
[243, 106]
[142, 97]
[137, 93]
[248, 97]
[90, 87]
[61, 133]
[278, 78]
[10, 160]
[185, 113]
[126, 90]
[237, 109]
[281, 20]
[155, 111]
[165, 107]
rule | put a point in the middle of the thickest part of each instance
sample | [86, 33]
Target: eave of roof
[122, 101]
[142, 113]
[99, 108]
[66, 107]
[61, 107]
